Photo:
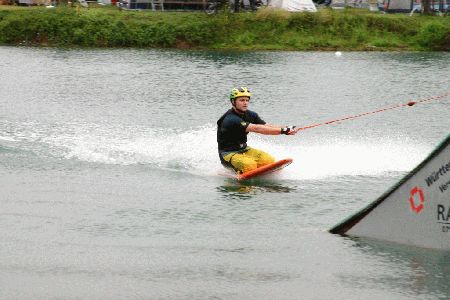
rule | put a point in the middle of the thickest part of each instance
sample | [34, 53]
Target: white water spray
[195, 151]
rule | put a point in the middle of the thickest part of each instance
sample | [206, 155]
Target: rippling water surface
[111, 185]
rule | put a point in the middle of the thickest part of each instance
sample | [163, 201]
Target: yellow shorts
[248, 160]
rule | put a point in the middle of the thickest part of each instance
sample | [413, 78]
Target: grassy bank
[267, 29]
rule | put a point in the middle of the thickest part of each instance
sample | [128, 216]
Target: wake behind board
[264, 170]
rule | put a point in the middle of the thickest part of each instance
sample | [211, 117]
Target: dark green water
[111, 186]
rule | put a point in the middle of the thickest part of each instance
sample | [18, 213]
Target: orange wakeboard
[278, 165]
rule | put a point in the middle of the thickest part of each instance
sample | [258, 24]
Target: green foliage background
[268, 29]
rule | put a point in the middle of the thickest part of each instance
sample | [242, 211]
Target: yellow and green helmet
[239, 92]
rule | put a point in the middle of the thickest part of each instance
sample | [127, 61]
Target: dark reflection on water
[247, 189]
[225, 58]
[423, 59]
[416, 271]
[228, 58]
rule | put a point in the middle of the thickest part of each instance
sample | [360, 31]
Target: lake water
[111, 187]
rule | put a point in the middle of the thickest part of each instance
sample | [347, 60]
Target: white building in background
[294, 5]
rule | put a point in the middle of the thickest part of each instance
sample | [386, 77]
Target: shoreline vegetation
[267, 29]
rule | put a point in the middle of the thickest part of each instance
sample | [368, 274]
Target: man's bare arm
[271, 129]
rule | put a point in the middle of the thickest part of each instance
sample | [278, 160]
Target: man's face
[241, 103]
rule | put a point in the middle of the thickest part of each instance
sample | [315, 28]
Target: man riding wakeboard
[232, 130]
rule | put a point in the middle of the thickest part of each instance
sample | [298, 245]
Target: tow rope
[410, 103]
